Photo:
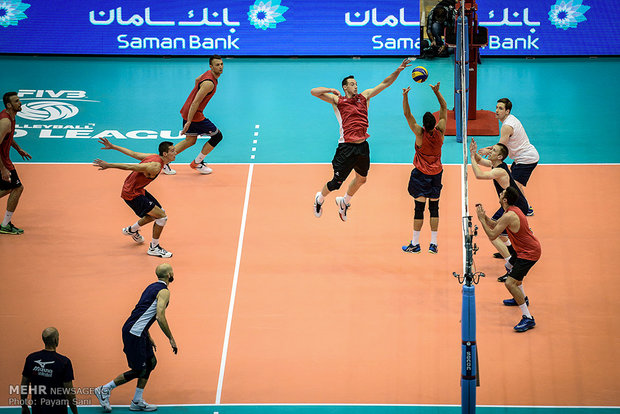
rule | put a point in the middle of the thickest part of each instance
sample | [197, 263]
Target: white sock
[155, 243]
[434, 238]
[508, 264]
[525, 310]
[320, 197]
[521, 287]
[347, 198]
[199, 158]
[135, 227]
[507, 243]
[110, 385]
[416, 237]
[7, 217]
[138, 395]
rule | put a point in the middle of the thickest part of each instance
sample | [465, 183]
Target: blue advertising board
[294, 27]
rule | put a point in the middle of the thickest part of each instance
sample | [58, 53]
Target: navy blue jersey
[521, 203]
[145, 312]
[48, 371]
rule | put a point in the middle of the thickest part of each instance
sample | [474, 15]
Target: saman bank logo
[11, 12]
[266, 14]
[567, 14]
[48, 111]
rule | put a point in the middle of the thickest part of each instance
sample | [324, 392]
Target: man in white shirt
[523, 153]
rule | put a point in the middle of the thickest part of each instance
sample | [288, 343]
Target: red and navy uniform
[352, 116]
[136, 181]
[199, 116]
[5, 146]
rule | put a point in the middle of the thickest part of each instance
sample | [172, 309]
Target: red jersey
[427, 157]
[5, 147]
[352, 116]
[199, 116]
[136, 181]
[526, 245]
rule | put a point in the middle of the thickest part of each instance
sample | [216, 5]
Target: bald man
[50, 376]
[138, 345]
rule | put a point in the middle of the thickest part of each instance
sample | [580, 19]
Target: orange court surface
[272, 305]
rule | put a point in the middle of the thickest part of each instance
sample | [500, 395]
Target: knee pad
[433, 207]
[334, 184]
[130, 375]
[215, 139]
[150, 366]
[419, 210]
[161, 221]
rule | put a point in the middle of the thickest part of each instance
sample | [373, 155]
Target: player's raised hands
[101, 164]
[405, 64]
[106, 144]
[406, 90]
[435, 87]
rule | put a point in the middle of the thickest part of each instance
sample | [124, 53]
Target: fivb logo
[53, 105]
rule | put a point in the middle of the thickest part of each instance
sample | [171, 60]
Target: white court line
[233, 293]
[610, 407]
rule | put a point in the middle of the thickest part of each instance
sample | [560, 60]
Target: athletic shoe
[497, 256]
[432, 248]
[411, 248]
[168, 171]
[141, 406]
[503, 278]
[317, 206]
[530, 211]
[10, 229]
[103, 395]
[525, 324]
[201, 167]
[342, 208]
[159, 251]
[512, 302]
[135, 235]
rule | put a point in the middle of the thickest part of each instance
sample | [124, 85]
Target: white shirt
[519, 147]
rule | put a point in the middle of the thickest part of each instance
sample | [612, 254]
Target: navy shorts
[142, 204]
[520, 267]
[423, 185]
[522, 172]
[204, 127]
[351, 156]
[139, 352]
[13, 182]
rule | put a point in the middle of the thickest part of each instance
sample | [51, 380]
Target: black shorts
[350, 156]
[204, 127]
[139, 352]
[142, 204]
[13, 182]
[520, 267]
[522, 172]
[423, 185]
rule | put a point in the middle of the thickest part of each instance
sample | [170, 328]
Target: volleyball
[419, 74]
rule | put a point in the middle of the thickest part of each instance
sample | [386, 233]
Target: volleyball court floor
[275, 310]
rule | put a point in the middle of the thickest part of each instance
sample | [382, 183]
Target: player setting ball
[419, 74]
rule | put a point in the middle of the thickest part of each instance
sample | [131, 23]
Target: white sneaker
[141, 406]
[342, 208]
[135, 235]
[103, 395]
[159, 251]
[201, 167]
[168, 171]
[318, 211]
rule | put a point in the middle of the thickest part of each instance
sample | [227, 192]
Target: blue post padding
[468, 347]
